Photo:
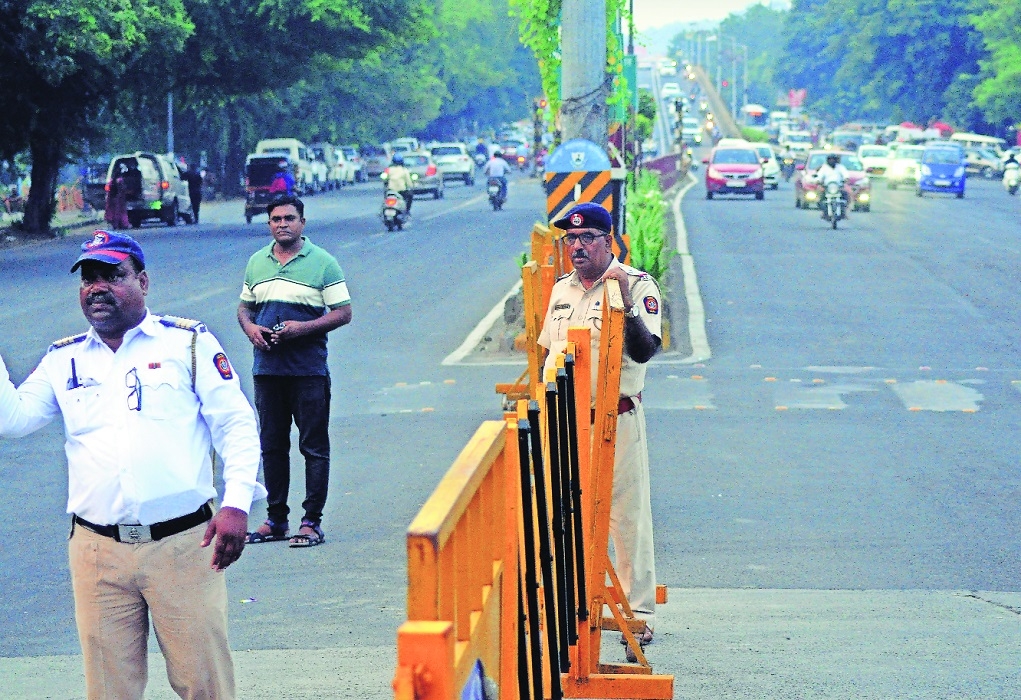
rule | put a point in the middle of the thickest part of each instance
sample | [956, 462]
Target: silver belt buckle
[134, 534]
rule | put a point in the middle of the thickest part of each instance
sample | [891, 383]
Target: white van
[405, 145]
[991, 143]
[306, 179]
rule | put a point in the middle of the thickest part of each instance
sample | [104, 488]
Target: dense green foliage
[880, 60]
[80, 73]
[646, 226]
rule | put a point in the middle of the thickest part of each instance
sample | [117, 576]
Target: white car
[905, 165]
[770, 165]
[669, 90]
[691, 131]
[454, 162]
[876, 159]
[346, 170]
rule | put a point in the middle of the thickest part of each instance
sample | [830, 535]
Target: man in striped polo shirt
[294, 294]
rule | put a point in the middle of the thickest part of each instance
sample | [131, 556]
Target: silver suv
[154, 188]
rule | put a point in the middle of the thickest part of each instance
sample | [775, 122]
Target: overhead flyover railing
[508, 570]
[723, 118]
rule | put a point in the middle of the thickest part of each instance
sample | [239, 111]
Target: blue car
[942, 169]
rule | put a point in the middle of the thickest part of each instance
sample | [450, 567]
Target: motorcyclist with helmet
[834, 171]
[398, 179]
[497, 168]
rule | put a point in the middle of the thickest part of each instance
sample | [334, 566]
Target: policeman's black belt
[137, 534]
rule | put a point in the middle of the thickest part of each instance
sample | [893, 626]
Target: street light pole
[733, 77]
[744, 80]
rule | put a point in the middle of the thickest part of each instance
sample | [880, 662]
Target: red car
[734, 169]
[808, 191]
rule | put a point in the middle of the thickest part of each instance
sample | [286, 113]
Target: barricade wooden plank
[425, 653]
[437, 517]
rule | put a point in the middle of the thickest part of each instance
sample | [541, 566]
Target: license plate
[391, 212]
[736, 183]
[941, 183]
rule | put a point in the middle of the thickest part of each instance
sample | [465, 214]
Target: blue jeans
[278, 399]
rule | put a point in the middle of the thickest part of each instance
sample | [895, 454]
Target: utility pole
[584, 82]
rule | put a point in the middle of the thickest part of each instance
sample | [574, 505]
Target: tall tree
[60, 61]
[997, 86]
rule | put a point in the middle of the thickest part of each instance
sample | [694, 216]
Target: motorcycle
[787, 167]
[480, 161]
[833, 204]
[1011, 178]
[394, 212]
[496, 196]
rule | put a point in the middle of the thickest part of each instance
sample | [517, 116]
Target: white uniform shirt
[152, 464]
[571, 304]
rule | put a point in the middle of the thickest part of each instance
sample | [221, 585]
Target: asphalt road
[834, 488]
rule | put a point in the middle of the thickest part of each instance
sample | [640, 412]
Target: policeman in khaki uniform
[143, 398]
[577, 299]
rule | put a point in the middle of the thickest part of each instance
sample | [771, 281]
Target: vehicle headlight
[811, 195]
[957, 173]
[757, 173]
[927, 171]
[714, 173]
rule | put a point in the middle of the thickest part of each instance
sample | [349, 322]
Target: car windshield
[764, 151]
[987, 155]
[942, 156]
[349, 152]
[373, 151]
[909, 153]
[848, 161]
[735, 156]
[874, 152]
[446, 151]
[691, 122]
[415, 161]
[799, 138]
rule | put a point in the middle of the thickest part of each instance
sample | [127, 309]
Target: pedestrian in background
[294, 293]
[193, 176]
[116, 212]
[144, 398]
[576, 299]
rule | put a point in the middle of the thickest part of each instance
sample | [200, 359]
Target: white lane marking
[700, 351]
[937, 395]
[480, 330]
[465, 203]
[828, 396]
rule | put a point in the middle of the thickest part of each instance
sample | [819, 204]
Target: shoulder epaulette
[563, 277]
[69, 340]
[183, 323]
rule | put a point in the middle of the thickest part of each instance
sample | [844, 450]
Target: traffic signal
[726, 83]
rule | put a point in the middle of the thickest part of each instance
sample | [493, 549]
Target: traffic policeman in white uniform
[577, 299]
[143, 398]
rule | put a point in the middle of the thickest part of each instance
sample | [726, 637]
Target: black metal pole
[566, 509]
[524, 691]
[556, 465]
[531, 580]
[545, 556]
[579, 531]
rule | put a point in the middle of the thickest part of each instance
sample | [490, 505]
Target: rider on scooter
[497, 168]
[398, 179]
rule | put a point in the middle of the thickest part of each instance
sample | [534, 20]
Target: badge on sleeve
[223, 366]
[651, 304]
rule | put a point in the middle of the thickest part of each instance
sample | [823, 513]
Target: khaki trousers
[118, 586]
[631, 516]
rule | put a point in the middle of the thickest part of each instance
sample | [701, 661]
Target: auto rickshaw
[260, 170]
